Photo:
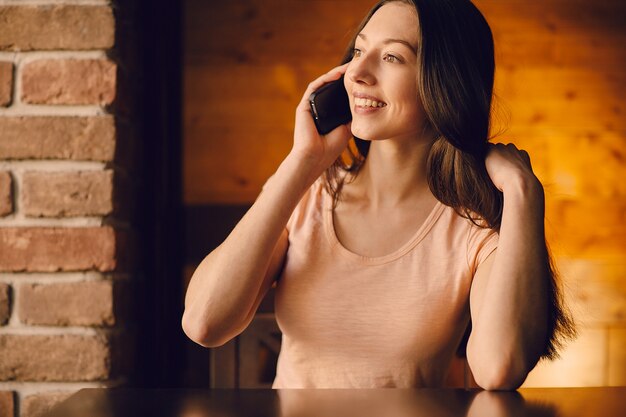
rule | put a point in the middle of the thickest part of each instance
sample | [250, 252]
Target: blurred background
[134, 135]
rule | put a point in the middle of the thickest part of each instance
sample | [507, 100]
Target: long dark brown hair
[455, 81]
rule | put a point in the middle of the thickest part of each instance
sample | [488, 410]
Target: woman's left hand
[507, 166]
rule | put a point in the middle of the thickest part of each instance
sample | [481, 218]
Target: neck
[394, 173]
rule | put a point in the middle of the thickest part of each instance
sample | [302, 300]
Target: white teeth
[363, 102]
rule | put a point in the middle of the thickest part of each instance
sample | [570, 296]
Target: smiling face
[381, 79]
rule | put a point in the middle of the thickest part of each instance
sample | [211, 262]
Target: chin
[365, 133]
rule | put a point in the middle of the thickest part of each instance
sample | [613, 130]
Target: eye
[391, 58]
[356, 53]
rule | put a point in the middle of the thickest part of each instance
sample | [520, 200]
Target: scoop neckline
[421, 232]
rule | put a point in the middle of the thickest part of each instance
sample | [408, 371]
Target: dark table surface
[544, 402]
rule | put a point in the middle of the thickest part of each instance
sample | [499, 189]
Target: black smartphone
[330, 106]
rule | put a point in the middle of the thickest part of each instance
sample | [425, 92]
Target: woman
[429, 233]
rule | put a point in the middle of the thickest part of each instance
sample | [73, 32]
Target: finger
[339, 133]
[495, 148]
[332, 75]
[526, 156]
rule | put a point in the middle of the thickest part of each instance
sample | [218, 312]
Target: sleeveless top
[351, 321]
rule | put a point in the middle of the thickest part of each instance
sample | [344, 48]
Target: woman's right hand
[308, 144]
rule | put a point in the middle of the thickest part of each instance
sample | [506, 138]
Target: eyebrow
[393, 40]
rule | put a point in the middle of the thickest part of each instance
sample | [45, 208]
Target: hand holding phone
[330, 106]
[320, 150]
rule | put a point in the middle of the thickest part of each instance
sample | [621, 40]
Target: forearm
[226, 283]
[509, 325]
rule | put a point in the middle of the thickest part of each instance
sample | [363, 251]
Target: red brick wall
[63, 220]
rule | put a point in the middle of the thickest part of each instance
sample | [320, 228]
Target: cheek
[408, 105]
[412, 101]
[409, 112]
[403, 90]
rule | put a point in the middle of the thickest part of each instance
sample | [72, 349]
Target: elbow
[506, 373]
[499, 377]
[499, 382]
[201, 333]
[498, 368]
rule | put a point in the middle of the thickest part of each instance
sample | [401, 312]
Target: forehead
[393, 20]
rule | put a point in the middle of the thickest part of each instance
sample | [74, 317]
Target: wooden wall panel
[617, 356]
[557, 32]
[255, 32]
[587, 229]
[236, 176]
[595, 291]
[563, 97]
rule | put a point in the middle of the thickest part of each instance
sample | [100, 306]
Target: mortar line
[54, 277]
[20, 329]
[55, 2]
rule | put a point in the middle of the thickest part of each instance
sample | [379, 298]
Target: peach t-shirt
[351, 321]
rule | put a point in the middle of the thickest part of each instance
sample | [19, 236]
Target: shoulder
[310, 208]
[481, 243]
[466, 236]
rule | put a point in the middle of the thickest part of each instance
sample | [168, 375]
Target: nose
[360, 71]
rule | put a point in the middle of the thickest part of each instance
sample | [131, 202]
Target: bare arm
[228, 285]
[230, 282]
[509, 294]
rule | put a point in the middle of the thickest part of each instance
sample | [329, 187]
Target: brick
[7, 404]
[58, 249]
[69, 81]
[44, 137]
[6, 83]
[37, 405]
[6, 193]
[54, 358]
[27, 28]
[87, 303]
[66, 194]
[5, 300]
